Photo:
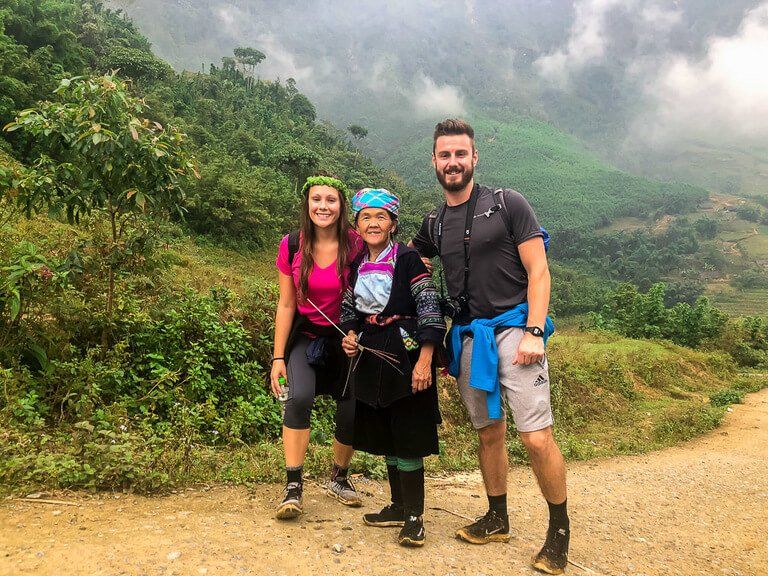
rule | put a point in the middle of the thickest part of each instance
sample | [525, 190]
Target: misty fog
[631, 75]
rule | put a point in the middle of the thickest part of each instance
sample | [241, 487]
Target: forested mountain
[255, 139]
[563, 92]
[666, 89]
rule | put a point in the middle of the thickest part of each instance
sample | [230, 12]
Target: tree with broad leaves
[249, 57]
[297, 160]
[358, 132]
[101, 156]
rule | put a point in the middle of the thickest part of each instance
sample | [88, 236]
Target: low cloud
[590, 38]
[469, 5]
[231, 17]
[587, 43]
[281, 62]
[661, 18]
[430, 100]
[722, 97]
[382, 77]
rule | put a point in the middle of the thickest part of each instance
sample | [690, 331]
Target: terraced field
[743, 244]
[739, 302]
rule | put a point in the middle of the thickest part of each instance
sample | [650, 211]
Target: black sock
[498, 504]
[293, 474]
[395, 489]
[339, 472]
[558, 516]
[412, 484]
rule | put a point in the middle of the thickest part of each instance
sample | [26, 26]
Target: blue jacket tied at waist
[484, 371]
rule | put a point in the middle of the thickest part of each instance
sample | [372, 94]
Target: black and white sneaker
[553, 556]
[489, 528]
[390, 515]
[412, 533]
[290, 507]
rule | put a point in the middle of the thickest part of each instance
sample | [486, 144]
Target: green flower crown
[325, 181]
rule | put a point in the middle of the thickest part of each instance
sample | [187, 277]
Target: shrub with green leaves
[637, 315]
[100, 155]
[25, 280]
[726, 397]
[746, 340]
[194, 351]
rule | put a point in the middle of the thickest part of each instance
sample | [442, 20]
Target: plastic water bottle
[283, 396]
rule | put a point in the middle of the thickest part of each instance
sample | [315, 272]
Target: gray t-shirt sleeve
[422, 241]
[522, 219]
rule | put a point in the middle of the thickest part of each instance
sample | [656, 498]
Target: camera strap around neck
[471, 203]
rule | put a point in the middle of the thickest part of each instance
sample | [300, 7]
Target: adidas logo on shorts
[540, 380]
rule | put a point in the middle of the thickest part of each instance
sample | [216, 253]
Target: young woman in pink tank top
[313, 267]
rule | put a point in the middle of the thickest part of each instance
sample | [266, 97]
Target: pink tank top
[324, 285]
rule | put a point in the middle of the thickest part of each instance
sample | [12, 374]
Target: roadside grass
[610, 395]
[183, 261]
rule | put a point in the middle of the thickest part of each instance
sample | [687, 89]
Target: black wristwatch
[535, 330]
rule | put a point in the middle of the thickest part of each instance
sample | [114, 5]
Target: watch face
[535, 330]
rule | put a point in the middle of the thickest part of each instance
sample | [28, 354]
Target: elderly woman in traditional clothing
[391, 305]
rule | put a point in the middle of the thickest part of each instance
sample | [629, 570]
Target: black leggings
[301, 396]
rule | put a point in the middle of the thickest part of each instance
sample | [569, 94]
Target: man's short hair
[453, 127]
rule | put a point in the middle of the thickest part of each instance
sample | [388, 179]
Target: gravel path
[701, 508]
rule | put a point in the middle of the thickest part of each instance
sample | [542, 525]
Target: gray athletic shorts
[525, 388]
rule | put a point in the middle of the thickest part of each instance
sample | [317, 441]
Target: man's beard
[466, 176]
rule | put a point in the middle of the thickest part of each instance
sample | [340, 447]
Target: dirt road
[701, 508]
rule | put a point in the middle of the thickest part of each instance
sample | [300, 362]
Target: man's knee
[538, 443]
[492, 435]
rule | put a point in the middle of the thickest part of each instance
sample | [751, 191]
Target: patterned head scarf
[375, 198]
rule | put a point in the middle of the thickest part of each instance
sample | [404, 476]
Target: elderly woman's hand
[422, 375]
[349, 344]
[421, 378]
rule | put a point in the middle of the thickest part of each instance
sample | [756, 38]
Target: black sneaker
[290, 507]
[390, 515]
[412, 533]
[489, 528]
[553, 556]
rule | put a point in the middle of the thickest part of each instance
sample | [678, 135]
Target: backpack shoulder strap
[293, 246]
[499, 195]
[432, 219]
[501, 201]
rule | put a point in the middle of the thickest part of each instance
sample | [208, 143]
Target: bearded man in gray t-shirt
[495, 265]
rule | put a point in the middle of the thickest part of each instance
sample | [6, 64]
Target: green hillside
[722, 169]
[569, 187]
[255, 140]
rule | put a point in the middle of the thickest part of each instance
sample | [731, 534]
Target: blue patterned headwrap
[375, 198]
